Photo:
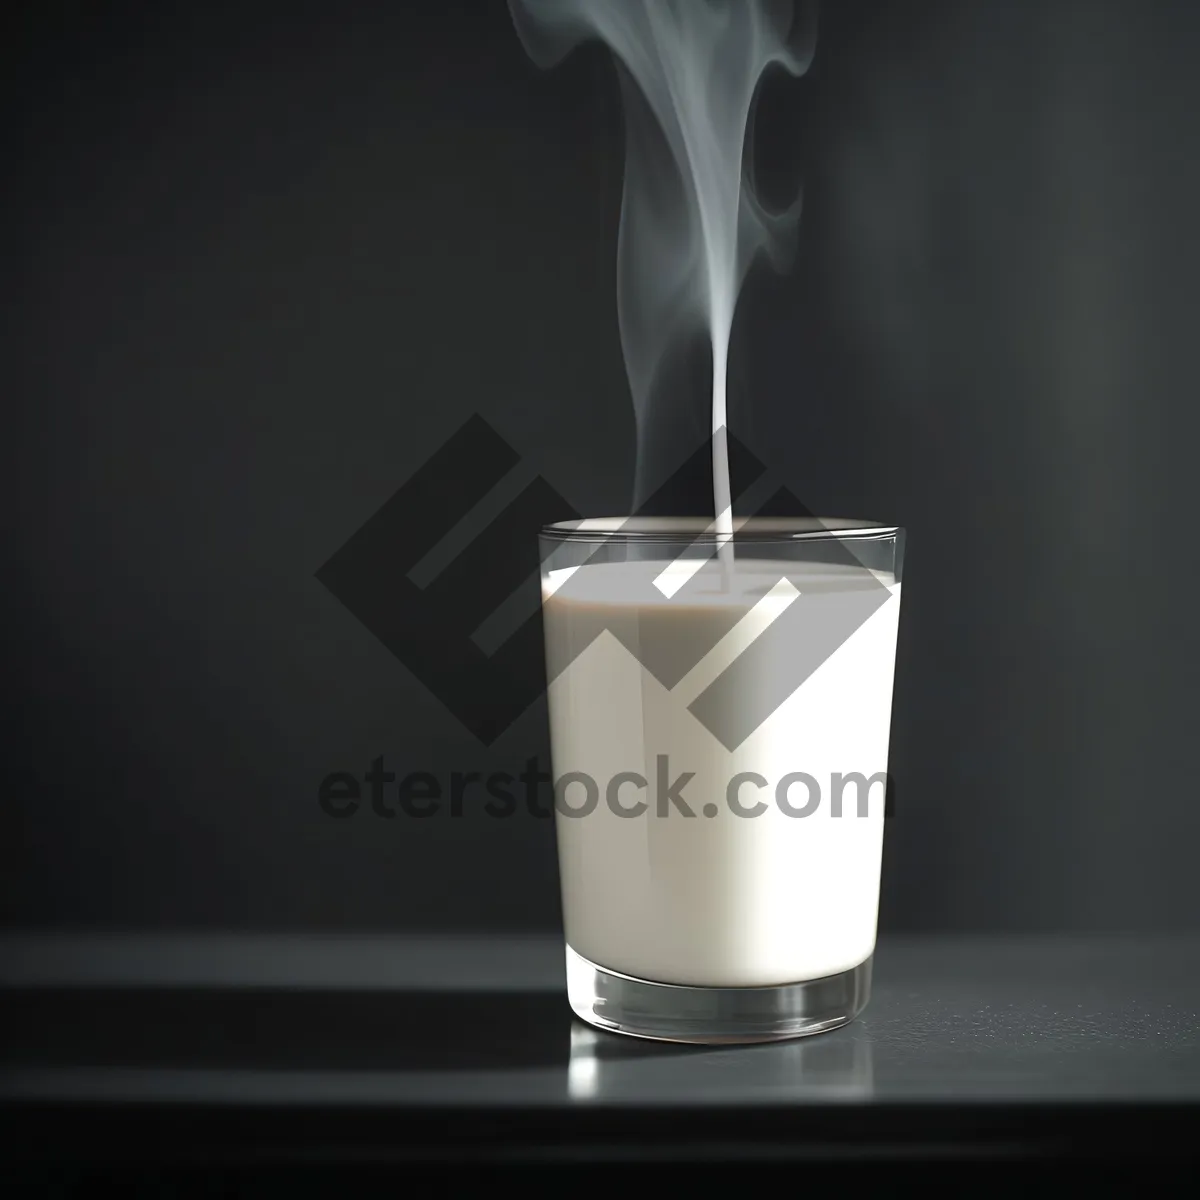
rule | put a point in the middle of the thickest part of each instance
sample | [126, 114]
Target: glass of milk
[720, 705]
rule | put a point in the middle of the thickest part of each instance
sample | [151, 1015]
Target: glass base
[667, 1012]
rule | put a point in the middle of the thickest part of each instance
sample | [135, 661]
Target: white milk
[722, 899]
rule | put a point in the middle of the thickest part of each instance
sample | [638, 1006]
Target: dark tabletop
[292, 1047]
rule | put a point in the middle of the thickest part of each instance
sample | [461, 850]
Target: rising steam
[691, 222]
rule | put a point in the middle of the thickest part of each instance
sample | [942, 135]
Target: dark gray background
[259, 261]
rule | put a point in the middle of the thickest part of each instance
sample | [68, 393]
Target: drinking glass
[720, 708]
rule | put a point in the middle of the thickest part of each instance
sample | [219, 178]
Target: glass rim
[703, 529]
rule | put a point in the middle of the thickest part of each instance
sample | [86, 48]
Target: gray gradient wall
[261, 261]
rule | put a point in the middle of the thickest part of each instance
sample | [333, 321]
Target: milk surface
[718, 898]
